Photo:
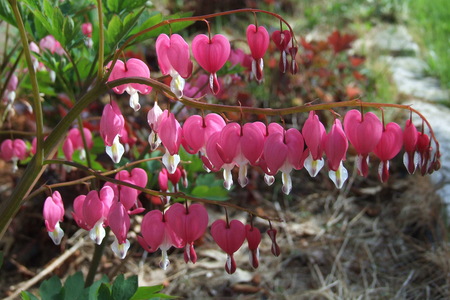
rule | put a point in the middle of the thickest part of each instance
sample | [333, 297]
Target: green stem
[101, 42]
[39, 157]
[98, 252]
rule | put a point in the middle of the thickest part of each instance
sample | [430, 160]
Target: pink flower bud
[86, 29]
[253, 236]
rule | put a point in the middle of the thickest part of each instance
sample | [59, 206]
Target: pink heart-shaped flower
[212, 54]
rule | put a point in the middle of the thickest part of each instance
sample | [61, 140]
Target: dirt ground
[367, 241]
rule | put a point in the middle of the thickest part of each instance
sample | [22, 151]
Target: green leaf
[74, 286]
[163, 296]
[123, 289]
[6, 13]
[212, 193]
[113, 31]
[50, 289]
[112, 5]
[146, 292]
[28, 296]
[104, 293]
[91, 293]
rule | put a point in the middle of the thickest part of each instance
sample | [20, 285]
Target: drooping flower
[197, 131]
[51, 44]
[9, 94]
[424, 150]
[314, 134]
[283, 151]
[272, 233]
[153, 119]
[211, 54]
[364, 133]
[74, 141]
[174, 60]
[157, 234]
[170, 133]
[13, 150]
[388, 147]
[53, 214]
[111, 125]
[77, 212]
[258, 40]
[96, 207]
[411, 157]
[335, 146]
[229, 237]
[253, 236]
[128, 196]
[119, 222]
[189, 224]
[282, 40]
[132, 68]
[86, 29]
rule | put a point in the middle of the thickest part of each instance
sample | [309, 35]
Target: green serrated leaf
[104, 292]
[74, 286]
[50, 289]
[28, 296]
[146, 292]
[123, 289]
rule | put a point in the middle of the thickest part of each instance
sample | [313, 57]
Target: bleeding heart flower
[132, 68]
[411, 157]
[211, 55]
[364, 133]
[169, 130]
[13, 150]
[174, 60]
[388, 147]
[314, 134]
[157, 234]
[111, 126]
[77, 212]
[128, 196]
[95, 212]
[53, 214]
[197, 131]
[424, 150]
[282, 40]
[74, 141]
[272, 233]
[335, 146]
[189, 224]
[253, 236]
[230, 238]
[119, 222]
[258, 40]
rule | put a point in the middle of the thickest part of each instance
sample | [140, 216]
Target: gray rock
[394, 39]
